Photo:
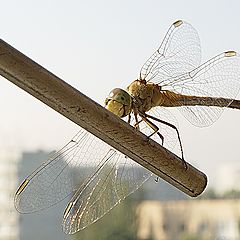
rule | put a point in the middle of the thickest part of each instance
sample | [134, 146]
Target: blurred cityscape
[156, 211]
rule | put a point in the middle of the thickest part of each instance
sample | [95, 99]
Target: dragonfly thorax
[146, 95]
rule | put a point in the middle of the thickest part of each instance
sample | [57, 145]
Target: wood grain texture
[60, 96]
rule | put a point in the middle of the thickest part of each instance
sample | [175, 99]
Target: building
[198, 219]
[45, 224]
[8, 183]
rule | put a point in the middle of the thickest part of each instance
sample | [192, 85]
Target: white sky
[98, 45]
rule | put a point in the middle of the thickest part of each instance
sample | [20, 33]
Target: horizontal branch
[60, 96]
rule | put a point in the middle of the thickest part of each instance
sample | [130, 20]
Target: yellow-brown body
[141, 96]
[147, 95]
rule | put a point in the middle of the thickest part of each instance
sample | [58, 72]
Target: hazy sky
[98, 45]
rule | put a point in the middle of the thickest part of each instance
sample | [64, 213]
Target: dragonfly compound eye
[119, 95]
[119, 102]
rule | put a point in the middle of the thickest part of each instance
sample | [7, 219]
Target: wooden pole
[60, 96]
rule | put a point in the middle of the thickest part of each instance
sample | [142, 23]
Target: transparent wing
[56, 179]
[115, 179]
[215, 82]
[105, 177]
[180, 52]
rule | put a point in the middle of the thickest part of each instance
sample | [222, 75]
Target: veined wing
[54, 180]
[114, 180]
[214, 80]
[180, 52]
[105, 178]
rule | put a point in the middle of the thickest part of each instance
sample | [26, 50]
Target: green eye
[120, 96]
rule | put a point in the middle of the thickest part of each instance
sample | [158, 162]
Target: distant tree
[209, 194]
[231, 194]
[118, 224]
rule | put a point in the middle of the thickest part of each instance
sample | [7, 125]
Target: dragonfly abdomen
[171, 99]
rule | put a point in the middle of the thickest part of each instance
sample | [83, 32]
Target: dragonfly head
[119, 102]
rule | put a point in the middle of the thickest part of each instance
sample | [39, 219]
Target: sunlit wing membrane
[216, 79]
[105, 177]
[114, 180]
[180, 52]
[54, 180]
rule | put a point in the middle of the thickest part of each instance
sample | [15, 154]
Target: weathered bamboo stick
[57, 94]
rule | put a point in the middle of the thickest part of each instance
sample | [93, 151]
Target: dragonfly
[172, 77]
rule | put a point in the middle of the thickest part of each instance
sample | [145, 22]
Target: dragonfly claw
[185, 164]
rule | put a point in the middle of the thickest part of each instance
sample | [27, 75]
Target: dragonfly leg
[172, 126]
[137, 122]
[154, 127]
[129, 118]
